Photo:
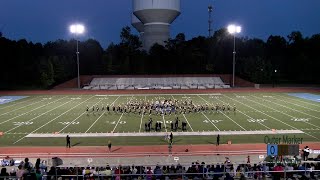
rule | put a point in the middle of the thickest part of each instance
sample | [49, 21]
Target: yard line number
[300, 119]
[69, 123]
[115, 122]
[212, 121]
[22, 123]
[167, 122]
[256, 120]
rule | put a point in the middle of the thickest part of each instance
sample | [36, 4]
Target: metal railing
[182, 175]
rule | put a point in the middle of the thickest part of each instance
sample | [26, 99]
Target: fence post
[305, 168]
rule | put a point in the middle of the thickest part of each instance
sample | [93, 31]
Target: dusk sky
[42, 20]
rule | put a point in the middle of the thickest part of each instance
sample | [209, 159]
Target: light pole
[234, 29]
[77, 29]
[274, 77]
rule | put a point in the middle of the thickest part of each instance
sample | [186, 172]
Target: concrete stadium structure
[156, 16]
[138, 25]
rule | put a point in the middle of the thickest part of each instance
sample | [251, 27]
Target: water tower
[138, 25]
[156, 15]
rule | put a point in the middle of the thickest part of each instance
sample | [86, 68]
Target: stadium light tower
[234, 29]
[77, 29]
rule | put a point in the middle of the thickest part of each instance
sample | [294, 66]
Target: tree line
[291, 59]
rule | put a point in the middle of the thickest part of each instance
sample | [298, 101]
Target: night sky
[43, 20]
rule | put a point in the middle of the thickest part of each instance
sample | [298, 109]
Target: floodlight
[234, 29]
[77, 28]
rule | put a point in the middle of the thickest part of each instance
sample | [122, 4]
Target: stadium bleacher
[122, 83]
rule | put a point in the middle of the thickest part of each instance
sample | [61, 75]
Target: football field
[45, 120]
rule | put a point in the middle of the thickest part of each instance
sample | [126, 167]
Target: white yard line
[39, 115]
[294, 99]
[233, 121]
[286, 113]
[286, 107]
[295, 104]
[261, 111]
[210, 121]
[100, 116]
[77, 118]
[114, 101]
[23, 107]
[117, 123]
[184, 115]
[95, 122]
[31, 110]
[71, 122]
[164, 122]
[20, 102]
[245, 114]
[52, 120]
[141, 123]
[121, 115]
[189, 123]
[224, 114]
[267, 115]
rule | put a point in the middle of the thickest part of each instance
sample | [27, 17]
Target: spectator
[172, 171]
[20, 172]
[158, 172]
[37, 166]
[228, 177]
[211, 172]
[109, 145]
[118, 172]
[149, 173]
[3, 173]
[278, 172]
[52, 172]
[218, 172]
[27, 165]
[242, 177]
[134, 171]
[38, 174]
[306, 153]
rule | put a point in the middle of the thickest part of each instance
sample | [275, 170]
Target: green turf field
[66, 114]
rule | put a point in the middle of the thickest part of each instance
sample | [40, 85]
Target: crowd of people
[160, 106]
[197, 170]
